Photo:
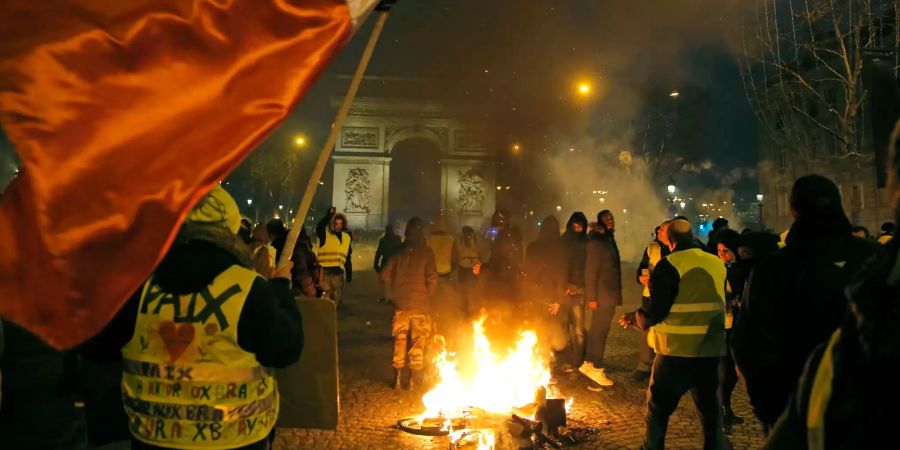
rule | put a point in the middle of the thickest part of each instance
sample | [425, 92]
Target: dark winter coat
[305, 273]
[387, 245]
[603, 270]
[866, 360]
[410, 277]
[544, 260]
[795, 300]
[575, 245]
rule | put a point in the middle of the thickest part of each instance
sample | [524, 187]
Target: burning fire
[493, 383]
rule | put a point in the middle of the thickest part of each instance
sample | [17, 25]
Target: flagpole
[310, 191]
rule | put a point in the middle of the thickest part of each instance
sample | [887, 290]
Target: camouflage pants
[411, 333]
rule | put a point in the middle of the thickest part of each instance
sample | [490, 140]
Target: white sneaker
[596, 375]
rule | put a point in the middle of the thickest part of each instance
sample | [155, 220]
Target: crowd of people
[805, 318]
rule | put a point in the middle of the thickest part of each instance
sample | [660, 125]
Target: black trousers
[672, 377]
[601, 322]
[728, 377]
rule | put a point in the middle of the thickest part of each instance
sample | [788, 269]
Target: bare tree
[802, 68]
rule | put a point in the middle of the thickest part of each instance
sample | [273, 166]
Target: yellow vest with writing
[442, 246]
[695, 326]
[187, 384]
[654, 252]
[334, 252]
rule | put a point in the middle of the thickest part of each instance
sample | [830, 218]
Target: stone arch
[394, 137]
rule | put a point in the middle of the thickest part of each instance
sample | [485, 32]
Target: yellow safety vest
[187, 384]
[334, 252]
[695, 326]
[442, 246]
[820, 395]
[468, 255]
[654, 251]
[884, 239]
[783, 241]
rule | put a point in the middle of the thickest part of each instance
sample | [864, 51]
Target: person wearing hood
[718, 225]
[410, 280]
[501, 274]
[545, 283]
[198, 338]
[335, 255]
[887, 233]
[574, 241]
[728, 250]
[796, 299]
[603, 292]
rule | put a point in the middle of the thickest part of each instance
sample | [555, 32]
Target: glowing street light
[558, 208]
[516, 149]
[674, 94]
[249, 201]
[671, 188]
[280, 207]
[300, 141]
[584, 89]
[682, 204]
[759, 198]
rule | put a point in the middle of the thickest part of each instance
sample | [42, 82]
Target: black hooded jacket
[544, 261]
[269, 326]
[575, 245]
[603, 270]
[794, 301]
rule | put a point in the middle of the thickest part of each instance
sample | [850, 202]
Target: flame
[486, 438]
[496, 384]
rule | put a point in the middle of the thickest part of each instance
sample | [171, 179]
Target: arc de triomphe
[377, 124]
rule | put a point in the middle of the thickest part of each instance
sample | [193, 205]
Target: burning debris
[488, 392]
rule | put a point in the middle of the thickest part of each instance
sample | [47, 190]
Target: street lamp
[671, 188]
[674, 94]
[584, 89]
[759, 200]
[558, 208]
[516, 149]
[682, 204]
[249, 202]
[300, 141]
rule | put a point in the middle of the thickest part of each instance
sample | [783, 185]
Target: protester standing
[545, 282]
[204, 292]
[736, 273]
[335, 256]
[603, 291]
[387, 245]
[653, 254]
[575, 242]
[469, 255]
[686, 319]
[796, 299]
[410, 280]
[262, 251]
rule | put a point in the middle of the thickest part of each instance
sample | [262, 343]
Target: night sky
[521, 60]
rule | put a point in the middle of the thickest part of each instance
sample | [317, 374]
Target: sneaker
[596, 375]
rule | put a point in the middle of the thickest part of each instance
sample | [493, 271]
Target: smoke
[593, 176]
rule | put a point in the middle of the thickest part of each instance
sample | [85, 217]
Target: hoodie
[270, 326]
[575, 245]
[544, 264]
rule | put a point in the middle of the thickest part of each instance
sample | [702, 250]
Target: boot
[398, 379]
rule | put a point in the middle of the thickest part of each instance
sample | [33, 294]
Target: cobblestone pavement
[370, 408]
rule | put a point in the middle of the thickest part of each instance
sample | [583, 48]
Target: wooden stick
[306, 201]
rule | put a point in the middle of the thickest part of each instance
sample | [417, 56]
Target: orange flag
[125, 113]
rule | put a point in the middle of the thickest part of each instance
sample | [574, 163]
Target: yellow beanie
[218, 209]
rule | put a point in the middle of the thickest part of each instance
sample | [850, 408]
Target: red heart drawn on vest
[177, 339]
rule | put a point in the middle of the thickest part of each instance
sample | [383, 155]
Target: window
[781, 158]
[782, 206]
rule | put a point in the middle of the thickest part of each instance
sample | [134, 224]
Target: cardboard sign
[309, 388]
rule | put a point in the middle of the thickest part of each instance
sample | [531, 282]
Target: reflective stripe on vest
[186, 382]
[442, 246]
[695, 325]
[654, 254]
[334, 252]
[820, 395]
